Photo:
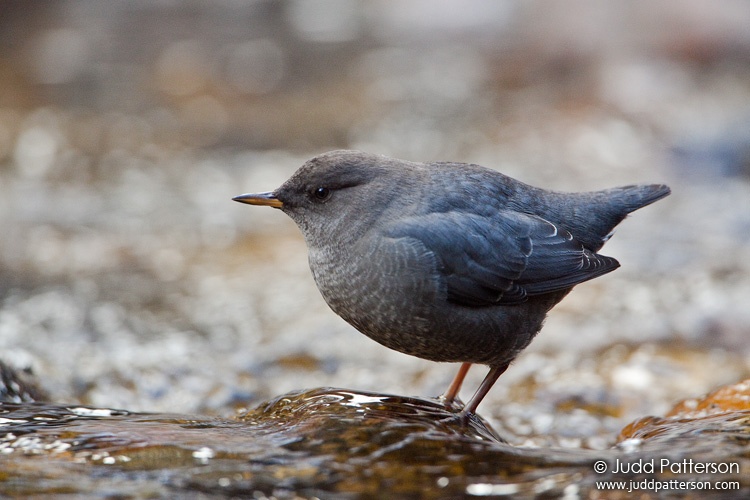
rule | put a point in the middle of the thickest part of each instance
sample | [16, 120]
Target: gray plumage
[447, 261]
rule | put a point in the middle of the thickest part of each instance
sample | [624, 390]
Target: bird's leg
[455, 386]
[484, 388]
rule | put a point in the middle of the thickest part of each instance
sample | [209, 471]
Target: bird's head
[339, 193]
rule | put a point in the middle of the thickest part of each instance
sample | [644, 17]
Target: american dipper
[447, 261]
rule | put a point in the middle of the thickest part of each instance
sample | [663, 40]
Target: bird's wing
[502, 259]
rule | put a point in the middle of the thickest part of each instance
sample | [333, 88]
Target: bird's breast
[384, 287]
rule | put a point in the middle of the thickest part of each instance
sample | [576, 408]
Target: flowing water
[335, 443]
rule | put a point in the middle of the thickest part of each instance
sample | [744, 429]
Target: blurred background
[128, 278]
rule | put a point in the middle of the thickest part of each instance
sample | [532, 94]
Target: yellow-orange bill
[264, 199]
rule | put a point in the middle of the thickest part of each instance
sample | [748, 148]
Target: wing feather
[503, 259]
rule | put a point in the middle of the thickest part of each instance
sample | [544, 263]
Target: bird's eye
[322, 193]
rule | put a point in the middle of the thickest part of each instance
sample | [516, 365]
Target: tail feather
[615, 204]
[591, 217]
[631, 198]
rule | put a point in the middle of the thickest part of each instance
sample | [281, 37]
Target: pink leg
[455, 386]
[484, 388]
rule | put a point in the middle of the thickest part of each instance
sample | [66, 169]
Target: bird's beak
[266, 199]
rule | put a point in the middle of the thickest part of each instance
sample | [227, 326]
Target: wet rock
[730, 398]
[327, 443]
[723, 414]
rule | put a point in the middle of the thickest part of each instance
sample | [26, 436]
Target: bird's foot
[461, 418]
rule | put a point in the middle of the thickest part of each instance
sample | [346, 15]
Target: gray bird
[447, 261]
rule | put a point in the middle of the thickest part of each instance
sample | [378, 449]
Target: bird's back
[589, 216]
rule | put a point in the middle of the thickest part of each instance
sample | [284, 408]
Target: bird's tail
[592, 216]
[628, 199]
[611, 206]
